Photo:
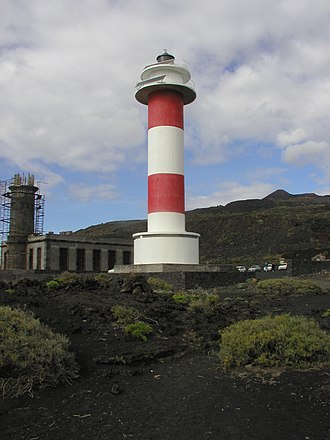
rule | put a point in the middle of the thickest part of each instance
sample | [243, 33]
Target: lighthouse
[166, 87]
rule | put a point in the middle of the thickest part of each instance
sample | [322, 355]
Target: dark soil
[170, 387]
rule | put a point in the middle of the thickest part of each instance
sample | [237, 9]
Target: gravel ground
[170, 387]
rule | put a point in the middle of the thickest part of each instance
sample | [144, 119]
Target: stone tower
[22, 195]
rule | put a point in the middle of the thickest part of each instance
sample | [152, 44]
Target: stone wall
[179, 280]
[204, 280]
[186, 279]
[302, 266]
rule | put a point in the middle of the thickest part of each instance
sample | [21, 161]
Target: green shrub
[139, 329]
[252, 282]
[282, 340]
[204, 295]
[159, 285]
[31, 355]
[197, 301]
[203, 303]
[291, 286]
[199, 307]
[66, 279]
[183, 298]
[104, 279]
[69, 277]
[124, 315]
[242, 286]
[326, 313]
[53, 284]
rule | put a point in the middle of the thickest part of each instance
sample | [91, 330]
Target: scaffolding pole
[39, 213]
[4, 214]
[4, 208]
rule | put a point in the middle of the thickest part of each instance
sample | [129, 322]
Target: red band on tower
[166, 193]
[165, 107]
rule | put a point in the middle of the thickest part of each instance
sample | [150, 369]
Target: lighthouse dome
[165, 57]
[165, 74]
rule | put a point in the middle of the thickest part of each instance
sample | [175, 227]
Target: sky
[68, 114]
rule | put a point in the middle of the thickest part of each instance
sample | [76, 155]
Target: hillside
[279, 224]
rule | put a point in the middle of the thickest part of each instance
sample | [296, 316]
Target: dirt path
[187, 398]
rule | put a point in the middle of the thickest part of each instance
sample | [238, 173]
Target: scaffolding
[39, 213]
[5, 202]
[4, 209]
[4, 214]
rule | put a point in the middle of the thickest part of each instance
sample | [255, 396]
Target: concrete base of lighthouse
[166, 248]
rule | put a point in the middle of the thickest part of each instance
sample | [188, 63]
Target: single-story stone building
[65, 251]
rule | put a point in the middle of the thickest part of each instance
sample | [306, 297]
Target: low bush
[126, 318]
[184, 298]
[203, 304]
[159, 285]
[242, 286]
[138, 329]
[124, 315]
[53, 284]
[69, 277]
[198, 301]
[104, 280]
[282, 340]
[66, 279]
[288, 286]
[205, 295]
[32, 356]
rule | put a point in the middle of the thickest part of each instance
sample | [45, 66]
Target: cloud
[67, 96]
[294, 136]
[308, 152]
[229, 191]
[87, 193]
[261, 174]
[316, 153]
[68, 71]
[263, 101]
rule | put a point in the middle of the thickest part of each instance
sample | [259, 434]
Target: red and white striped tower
[166, 87]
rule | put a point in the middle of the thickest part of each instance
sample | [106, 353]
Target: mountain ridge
[280, 224]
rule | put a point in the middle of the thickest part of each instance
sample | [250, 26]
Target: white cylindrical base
[152, 248]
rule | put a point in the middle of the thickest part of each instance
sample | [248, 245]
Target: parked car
[241, 268]
[268, 267]
[254, 268]
[283, 266]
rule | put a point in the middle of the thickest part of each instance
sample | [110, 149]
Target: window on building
[30, 259]
[80, 261]
[126, 257]
[96, 260]
[111, 259]
[39, 258]
[63, 263]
